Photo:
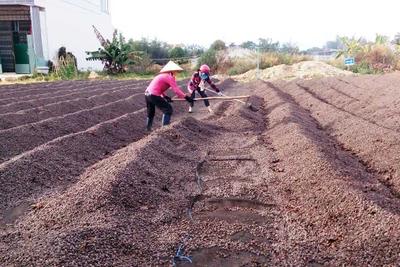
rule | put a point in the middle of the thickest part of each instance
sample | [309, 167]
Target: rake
[216, 98]
[247, 103]
[225, 98]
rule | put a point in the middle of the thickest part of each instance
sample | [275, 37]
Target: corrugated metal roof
[14, 12]
[17, 2]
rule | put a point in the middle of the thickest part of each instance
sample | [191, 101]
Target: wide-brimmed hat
[171, 67]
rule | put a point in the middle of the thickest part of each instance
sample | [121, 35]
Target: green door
[21, 58]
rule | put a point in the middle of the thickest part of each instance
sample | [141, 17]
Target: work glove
[189, 99]
[168, 98]
[217, 90]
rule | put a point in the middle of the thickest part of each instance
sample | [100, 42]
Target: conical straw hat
[171, 66]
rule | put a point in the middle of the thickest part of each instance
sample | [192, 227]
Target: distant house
[32, 31]
[325, 54]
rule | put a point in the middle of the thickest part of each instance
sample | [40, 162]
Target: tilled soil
[309, 178]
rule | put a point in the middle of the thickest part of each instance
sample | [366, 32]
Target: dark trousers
[153, 101]
[203, 94]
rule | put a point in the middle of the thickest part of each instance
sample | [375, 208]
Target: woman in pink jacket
[155, 96]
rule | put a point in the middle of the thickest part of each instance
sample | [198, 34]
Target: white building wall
[45, 39]
[69, 24]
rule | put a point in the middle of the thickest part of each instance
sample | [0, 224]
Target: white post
[258, 62]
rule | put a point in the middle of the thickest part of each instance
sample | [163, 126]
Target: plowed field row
[44, 92]
[310, 179]
[21, 117]
[36, 152]
[41, 90]
[37, 102]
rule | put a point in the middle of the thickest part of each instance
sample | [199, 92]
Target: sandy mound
[302, 70]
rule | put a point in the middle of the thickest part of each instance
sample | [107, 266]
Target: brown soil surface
[309, 179]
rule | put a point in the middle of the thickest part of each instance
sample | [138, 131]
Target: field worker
[197, 83]
[155, 96]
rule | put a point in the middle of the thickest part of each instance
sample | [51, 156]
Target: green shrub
[379, 54]
[210, 58]
[143, 67]
[240, 66]
[361, 68]
[265, 65]
[285, 58]
[67, 69]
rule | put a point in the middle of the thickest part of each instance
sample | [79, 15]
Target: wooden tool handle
[214, 98]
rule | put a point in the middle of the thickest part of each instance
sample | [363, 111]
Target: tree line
[118, 54]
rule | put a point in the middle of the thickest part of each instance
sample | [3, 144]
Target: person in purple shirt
[201, 75]
[155, 96]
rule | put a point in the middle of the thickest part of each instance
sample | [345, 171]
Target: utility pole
[258, 62]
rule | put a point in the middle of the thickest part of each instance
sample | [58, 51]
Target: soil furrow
[26, 137]
[60, 162]
[136, 86]
[336, 180]
[310, 179]
[126, 189]
[350, 129]
[41, 90]
[233, 223]
[13, 119]
[35, 103]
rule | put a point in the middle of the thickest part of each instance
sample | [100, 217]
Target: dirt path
[310, 179]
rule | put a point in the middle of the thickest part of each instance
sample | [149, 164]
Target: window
[104, 6]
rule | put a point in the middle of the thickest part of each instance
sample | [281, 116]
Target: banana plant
[115, 55]
[353, 47]
[379, 40]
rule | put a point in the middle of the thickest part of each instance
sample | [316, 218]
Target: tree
[396, 41]
[312, 50]
[115, 55]
[177, 52]
[266, 45]
[249, 44]
[141, 45]
[210, 58]
[194, 50]
[158, 51]
[179, 55]
[379, 41]
[333, 44]
[290, 48]
[353, 46]
[218, 45]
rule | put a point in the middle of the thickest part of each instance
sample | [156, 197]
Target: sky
[305, 23]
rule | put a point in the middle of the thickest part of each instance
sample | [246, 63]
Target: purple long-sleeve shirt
[195, 80]
[161, 83]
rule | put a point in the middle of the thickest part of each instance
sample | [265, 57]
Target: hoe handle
[214, 98]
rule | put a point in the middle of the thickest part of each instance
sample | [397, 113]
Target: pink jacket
[161, 83]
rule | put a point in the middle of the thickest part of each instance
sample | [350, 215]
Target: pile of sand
[302, 70]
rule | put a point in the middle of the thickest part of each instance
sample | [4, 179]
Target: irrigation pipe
[178, 254]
